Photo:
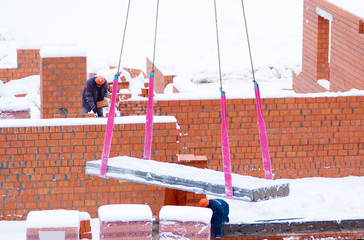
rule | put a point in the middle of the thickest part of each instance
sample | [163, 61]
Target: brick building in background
[333, 49]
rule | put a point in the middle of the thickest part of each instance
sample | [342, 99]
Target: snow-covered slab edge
[185, 172]
[82, 121]
[187, 178]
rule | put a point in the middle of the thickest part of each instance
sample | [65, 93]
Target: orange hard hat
[203, 202]
[100, 80]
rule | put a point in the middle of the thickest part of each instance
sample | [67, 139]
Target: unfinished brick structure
[62, 82]
[160, 80]
[28, 61]
[333, 43]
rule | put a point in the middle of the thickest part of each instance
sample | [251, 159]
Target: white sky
[186, 46]
[353, 6]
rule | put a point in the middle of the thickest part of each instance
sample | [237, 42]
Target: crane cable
[224, 131]
[110, 120]
[247, 37]
[122, 43]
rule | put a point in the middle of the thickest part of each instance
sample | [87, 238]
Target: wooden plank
[188, 178]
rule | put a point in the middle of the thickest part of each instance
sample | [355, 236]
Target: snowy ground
[311, 199]
[186, 46]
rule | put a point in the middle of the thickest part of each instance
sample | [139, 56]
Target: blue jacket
[220, 214]
[91, 94]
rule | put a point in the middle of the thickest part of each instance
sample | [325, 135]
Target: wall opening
[323, 44]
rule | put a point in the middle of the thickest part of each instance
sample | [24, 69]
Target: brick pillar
[62, 82]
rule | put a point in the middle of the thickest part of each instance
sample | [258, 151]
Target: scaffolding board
[187, 178]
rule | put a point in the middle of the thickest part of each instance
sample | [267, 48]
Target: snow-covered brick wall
[28, 64]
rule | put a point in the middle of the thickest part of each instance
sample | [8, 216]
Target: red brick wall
[347, 56]
[44, 167]
[62, 83]
[308, 137]
[28, 64]
[347, 52]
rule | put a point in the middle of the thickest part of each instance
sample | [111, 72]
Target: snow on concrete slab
[185, 178]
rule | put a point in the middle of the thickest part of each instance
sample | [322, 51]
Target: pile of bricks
[125, 222]
[182, 222]
[53, 224]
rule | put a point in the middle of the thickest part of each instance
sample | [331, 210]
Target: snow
[53, 219]
[84, 216]
[326, 15]
[310, 199]
[185, 214]
[81, 121]
[324, 83]
[62, 51]
[125, 212]
[186, 47]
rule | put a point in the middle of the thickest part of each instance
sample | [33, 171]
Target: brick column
[62, 81]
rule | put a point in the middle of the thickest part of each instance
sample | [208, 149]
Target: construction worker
[220, 213]
[95, 90]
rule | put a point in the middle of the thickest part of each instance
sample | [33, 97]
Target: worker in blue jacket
[95, 90]
[220, 213]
